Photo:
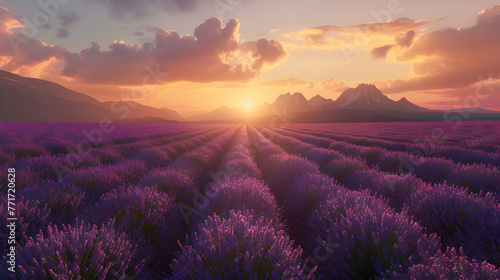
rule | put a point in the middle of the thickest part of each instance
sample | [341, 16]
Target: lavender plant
[461, 219]
[363, 238]
[239, 247]
[78, 252]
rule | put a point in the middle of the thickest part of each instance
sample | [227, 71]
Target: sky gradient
[198, 55]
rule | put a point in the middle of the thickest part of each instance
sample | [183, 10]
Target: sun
[248, 105]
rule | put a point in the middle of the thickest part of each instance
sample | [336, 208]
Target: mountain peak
[293, 103]
[319, 100]
[369, 86]
[363, 95]
[317, 97]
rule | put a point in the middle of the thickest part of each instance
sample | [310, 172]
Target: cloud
[454, 58]
[62, 33]
[381, 52]
[68, 18]
[131, 10]
[19, 52]
[213, 54]
[333, 85]
[404, 40]
[330, 36]
[268, 53]
[289, 83]
[139, 34]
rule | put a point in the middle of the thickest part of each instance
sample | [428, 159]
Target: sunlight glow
[248, 105]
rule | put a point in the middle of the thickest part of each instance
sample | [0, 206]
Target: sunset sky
[198, 55]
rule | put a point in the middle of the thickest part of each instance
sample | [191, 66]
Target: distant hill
[46, 87]
[29, 99]
[147, 120]
[364, 103]
[138, 111]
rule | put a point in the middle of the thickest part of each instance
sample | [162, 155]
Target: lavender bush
[340, 169]
[241, 193]
[64, 201]
[288, 168]
[78, 252]
[150, 218]
[178, 184]
[395, 188]
[363, 238]
[450, 265]
[239, 247]
[461, 219]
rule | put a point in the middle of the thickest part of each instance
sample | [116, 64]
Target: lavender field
[219, 201]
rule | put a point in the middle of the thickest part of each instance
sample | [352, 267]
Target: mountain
[365, 103]
[404, 105]
[29, 99]
[363, 96]
[292, 103]
[285, 104]
[139, 111]
[24, 103]
[221, 113]
[46, 87]
[176, 116]
[369, 97]
[320, 101]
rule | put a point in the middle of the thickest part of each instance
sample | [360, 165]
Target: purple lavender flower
[78, 252]
[64, 201]
[150, 218]
[450, 265]
[286, 169]
[477, 178]
[178, 184]
[395, 188]
[359, 237]
[461, 219]
[239, 247]
[241, 193]
[340, 169]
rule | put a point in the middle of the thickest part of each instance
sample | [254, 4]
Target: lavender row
[242, 217]
[426, 149]
[33, 170]
[122, 132]
[474, 135]
[39, 139]
[151, 215]
[475, 231]
[317, 205]
[150, 220]
[185, 177]
[477, 178]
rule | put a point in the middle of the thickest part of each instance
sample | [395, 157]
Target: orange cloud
[454, 58]
[213, 54]
[208, 56]
[292, 82]
[404, 40]
[20, 52]
[330, 36]
[333, 85]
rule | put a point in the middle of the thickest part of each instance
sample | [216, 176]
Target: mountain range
[365, 103]
[30, 99]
